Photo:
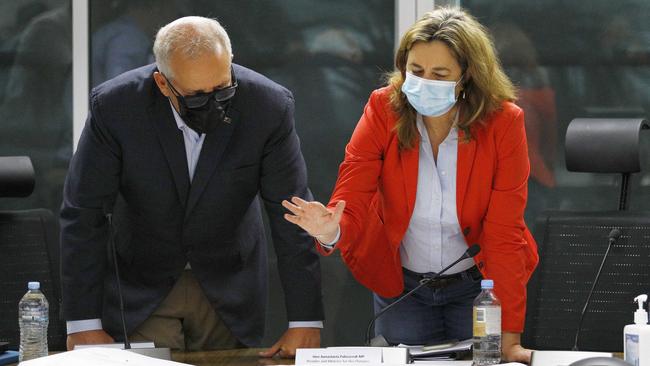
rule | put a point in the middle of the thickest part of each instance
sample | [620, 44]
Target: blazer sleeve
[505, 249]
[359, 174]
[92, 182]
[284, 174]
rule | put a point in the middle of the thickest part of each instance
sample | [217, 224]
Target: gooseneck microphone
[108, 212]
[156, 352]
[613, 236]
[471, 252]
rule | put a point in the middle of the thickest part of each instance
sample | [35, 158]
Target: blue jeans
[430, 314]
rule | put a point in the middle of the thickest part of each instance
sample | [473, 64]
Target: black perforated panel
[571, 251]
[29, 252]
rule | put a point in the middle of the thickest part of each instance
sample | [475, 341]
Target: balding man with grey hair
[181, 154]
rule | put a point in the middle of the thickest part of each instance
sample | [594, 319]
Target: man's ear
[161, 82]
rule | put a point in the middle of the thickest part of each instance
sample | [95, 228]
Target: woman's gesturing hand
[313, 217]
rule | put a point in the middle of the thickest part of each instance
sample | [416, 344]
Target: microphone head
[614, 234]
[107, 207]
[378, 341]
[472, 251]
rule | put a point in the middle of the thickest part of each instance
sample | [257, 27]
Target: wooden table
[236, 357]
[240, 357]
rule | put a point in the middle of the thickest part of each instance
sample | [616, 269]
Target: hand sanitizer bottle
[636, 337]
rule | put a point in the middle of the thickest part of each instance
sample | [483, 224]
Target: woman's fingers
[299, 201]
[313, 217]
[313, 206]
[300, 207]
[291, 207]
[293, 219]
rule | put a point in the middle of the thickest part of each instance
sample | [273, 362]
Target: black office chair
[572, 246]
[29, 251]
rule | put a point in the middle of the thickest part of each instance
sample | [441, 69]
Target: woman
[437, 161]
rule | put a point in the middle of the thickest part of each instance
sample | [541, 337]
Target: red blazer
[378, 183]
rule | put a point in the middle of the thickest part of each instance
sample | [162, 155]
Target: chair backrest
[604, 145]
[571, 248]
[16, 176]
[29, 251]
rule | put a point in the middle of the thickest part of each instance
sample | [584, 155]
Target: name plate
[339, 356]
[352, 356]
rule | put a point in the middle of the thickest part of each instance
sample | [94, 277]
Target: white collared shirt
[434, 238]
[193, 142]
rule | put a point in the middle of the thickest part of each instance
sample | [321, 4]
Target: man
[179, 154]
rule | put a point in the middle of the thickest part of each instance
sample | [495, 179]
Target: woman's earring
[462, 94]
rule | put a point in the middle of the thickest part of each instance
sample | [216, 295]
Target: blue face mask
[431, 98]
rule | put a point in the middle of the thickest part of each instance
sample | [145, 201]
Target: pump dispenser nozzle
[640, 315]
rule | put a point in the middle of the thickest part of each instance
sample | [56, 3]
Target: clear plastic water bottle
[487, 326]
[33, 318]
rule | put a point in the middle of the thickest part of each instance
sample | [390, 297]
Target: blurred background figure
[596, 57]
[537, 98]
[125, 42]
[36, 112]
[10, 36]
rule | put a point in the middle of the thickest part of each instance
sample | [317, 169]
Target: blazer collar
[466, 152]
[171, 142]
[410, 164]
[214, 145]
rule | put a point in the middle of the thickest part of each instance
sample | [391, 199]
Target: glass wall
[569, 59]
[574, 59]
[330, 54]
[35, 94]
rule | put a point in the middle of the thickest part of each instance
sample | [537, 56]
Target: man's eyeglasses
[199, 100]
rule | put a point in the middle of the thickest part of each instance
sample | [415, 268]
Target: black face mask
[204, 119]
[203, 112]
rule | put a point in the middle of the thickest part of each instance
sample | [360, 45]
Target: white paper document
[99, 357]
[562, 358]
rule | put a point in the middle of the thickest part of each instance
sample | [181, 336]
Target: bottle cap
[34, 285]
[487, 284]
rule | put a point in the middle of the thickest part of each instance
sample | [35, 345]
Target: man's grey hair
[193, 37]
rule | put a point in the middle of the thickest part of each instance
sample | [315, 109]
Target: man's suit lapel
[466, 152]
[213, 147]
[171, 140]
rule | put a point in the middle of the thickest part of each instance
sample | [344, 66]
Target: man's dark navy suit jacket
[131, 153]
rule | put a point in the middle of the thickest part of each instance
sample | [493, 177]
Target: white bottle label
[632, 349]
[487, 320]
